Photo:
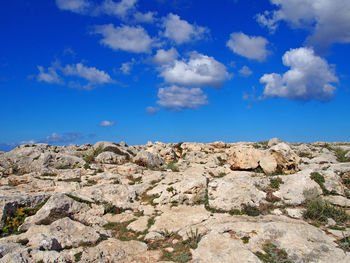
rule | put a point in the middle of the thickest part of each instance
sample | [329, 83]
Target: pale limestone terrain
[186, 202]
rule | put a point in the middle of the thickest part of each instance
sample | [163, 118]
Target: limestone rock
[216, 248]
[57, 207]
[178, 218]
[295, 185]
[148, 159]
[110, 158]
[235, 190]
[66, 232]
[244, 158]
[139, 225]
[272, 142]
[113, 250]
[287, 160]
[9, 202]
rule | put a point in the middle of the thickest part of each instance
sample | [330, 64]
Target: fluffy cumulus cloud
[76, 6]
[127, 38]
[107, 123]
[309, 78]
[92, 75]
[180, 31]
[199, 70]
[245, 71]
[329, 20]
[125, 10]
[163, 57]
[252, 47]
[176, 99]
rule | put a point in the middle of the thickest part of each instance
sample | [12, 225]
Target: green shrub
[319, 178]
[273, 254]
[320, 210]
[275, 183]
[172, 166]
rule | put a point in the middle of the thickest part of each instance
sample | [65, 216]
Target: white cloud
[127, 38]
[175, 98]
[309, 78]
[252, 47]
[92, 75]
[152, 110]
[126, 10]
[76, 6]
[148, 17]
[49, 76]
[127, 67]
[165, 56]
[62, 138]
[180, 31]
[328, 20]
[245, 71]
[120, 9]
[107, 123]
[198, 70]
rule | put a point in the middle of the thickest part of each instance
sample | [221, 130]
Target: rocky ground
[186, 202]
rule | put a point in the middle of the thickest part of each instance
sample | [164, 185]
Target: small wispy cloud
[62, 138]
[107, 123]
[152, 110]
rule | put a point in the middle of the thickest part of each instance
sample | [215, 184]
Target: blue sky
[81, 71]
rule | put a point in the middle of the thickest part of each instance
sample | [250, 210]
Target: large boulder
[120, 149]
[110, 158]
[280, 158]
[244, 158]
[10, 202]
[57, 207]
[63, 233]
[148, 159]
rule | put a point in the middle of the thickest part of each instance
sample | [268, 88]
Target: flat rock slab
[216, 248]
[177, 218]
[235, 190]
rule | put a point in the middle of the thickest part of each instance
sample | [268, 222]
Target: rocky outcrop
[245, 158]
[183, 202]
[280, 158]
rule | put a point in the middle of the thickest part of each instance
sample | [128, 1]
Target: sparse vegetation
[275, 182]
[172, 166]
[320, 210]
[221, 161]
[273, 254]
[319, 178]
[90, 157]
[77, 256]
[339, 153]
[344, 243]
[80, 200]
[15, 220]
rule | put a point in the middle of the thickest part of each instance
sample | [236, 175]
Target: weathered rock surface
[184, 202]
[236, 190]
[149, 159]
[245, 158]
